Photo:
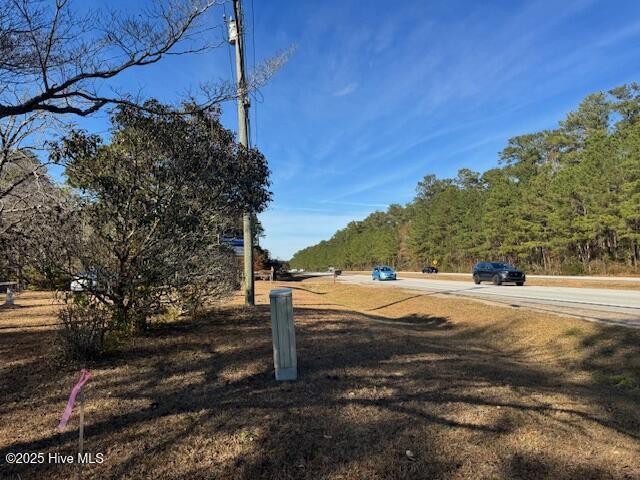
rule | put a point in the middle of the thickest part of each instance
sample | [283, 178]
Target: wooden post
[81, 435]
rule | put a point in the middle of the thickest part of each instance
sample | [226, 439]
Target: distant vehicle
[83, 281]
[95, 281]
[383, 272]
[429, 270]
[281, 273]
[498, 273]
[262, 275]
[334, 270]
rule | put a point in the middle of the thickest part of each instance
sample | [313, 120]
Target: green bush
[572, 266]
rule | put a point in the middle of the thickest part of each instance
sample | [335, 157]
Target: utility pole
[236, 37]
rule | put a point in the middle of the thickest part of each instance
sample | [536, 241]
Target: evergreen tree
[562, 200]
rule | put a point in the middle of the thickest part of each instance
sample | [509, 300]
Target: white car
[83, 281]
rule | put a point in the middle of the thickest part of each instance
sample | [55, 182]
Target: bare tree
[57, 59]
[53, 58]
[23, 180]
[31, 204]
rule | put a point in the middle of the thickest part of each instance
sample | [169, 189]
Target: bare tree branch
[54, 60]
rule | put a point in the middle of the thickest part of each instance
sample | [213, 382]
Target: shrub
[83, 328]
[573, 332]
[572, 266]
[153, 207]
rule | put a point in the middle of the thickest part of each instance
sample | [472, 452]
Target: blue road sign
[236, 243]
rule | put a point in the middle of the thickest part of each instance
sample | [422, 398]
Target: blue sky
[379, 94]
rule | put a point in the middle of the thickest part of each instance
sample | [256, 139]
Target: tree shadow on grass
[522, 466]
[307, 290]
[370, 388]
[21, 327]
[424, 321]
[297, 278]
[396, 302]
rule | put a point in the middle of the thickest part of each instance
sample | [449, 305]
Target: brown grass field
[392, 385]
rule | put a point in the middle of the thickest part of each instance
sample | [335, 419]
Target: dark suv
[429, 270]
[498, 273]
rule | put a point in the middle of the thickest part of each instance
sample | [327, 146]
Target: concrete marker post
[283, 334]
[9, 298]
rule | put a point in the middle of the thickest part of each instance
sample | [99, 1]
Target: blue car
[383, 273]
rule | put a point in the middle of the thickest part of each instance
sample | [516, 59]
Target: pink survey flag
[84, 378]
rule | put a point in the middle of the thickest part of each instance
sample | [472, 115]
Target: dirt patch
[392, 385]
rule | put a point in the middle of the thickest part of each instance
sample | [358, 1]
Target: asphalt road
[618, 307]
[556, 277]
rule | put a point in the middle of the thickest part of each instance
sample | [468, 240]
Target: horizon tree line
[565, 200]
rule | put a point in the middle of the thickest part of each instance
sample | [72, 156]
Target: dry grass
[472, 391]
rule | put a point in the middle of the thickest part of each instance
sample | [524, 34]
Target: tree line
[565, 200]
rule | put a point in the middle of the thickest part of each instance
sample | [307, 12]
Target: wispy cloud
[355, 204]
[625, 33]
[413, 170]
[299, 209]
[346, 90]
[354, 129]
[288, 231]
